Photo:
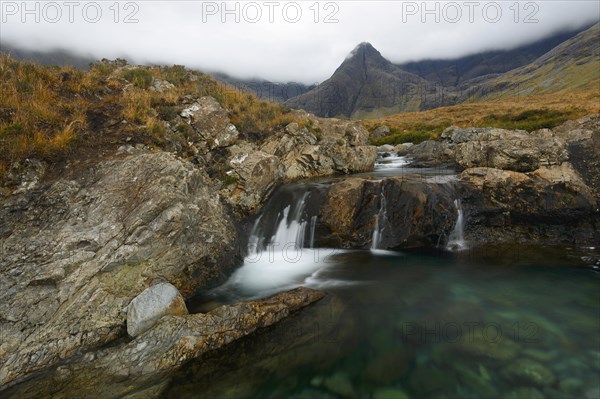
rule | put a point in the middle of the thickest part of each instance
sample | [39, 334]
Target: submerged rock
[340, 384]
[389, 393]
[479, 345]
[524, 393]
[153, 303]
[429, 381]
[528, 372]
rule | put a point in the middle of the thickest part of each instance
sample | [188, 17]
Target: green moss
[415, 134]
[529, 120]
[230, 179]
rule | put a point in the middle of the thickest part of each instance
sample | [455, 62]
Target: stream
[446, 322]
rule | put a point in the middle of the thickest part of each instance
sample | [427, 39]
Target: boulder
[380, 132]
[431, 153]
[210, 122]
[253, 175]
[76, 253]
[505, 149]
[550, 205]
[153, 303]
[528, 372]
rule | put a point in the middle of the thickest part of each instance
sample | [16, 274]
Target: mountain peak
[364, 48]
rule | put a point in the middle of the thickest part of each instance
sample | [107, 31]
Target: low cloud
[283, 41]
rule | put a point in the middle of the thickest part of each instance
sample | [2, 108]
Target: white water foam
[456, 241]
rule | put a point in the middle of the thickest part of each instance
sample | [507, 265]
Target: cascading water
[390, 160]
[380, 221]
[281, 246]
[456, 241]
[313, 225]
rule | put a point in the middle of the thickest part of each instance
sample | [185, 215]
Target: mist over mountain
[368, 85]
[570, 66]
[58, 57]
[456, 71]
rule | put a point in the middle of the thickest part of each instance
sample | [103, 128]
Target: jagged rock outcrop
[76, 253]
[141, 366]
[296, 153]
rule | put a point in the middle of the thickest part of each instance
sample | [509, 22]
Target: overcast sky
[284, 41]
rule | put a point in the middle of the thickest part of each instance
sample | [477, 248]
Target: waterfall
[280, 246]
[291, 228]
[456, 241]
[288, 230]
[313, 224]
[379, 221]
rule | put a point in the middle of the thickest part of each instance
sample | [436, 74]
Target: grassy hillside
[60, 113]
[527, 113]
[572, 66]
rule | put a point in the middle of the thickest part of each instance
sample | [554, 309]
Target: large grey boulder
[551, 205]
[252, 176]
[506, 149]
[153, 303]
[380, 132]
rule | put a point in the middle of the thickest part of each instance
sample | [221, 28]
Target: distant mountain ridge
[53, 57]
[265, 89]
[572, 65]
[368, 85]
[457, 71]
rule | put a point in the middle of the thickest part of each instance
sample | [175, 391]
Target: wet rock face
[75, 254]
[551, 205]
[412, 212]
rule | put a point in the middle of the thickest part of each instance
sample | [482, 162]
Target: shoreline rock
[129, 368]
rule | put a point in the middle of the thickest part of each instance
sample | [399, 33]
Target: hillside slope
[571, 66]
[453, 72]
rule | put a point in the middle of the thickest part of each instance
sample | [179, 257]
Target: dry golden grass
[45, 111]
[548, 109]
[37, 118]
